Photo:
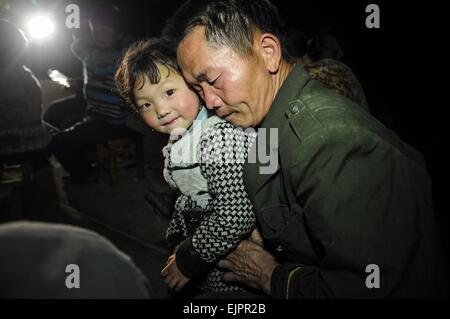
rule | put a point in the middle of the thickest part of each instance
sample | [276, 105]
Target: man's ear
[270, 51]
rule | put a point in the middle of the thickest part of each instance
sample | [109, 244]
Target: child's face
[167, 105]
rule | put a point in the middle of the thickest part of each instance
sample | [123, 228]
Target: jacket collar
[289, 92]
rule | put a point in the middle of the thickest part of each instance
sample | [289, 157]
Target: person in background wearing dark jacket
[347, 196]
[22, 133]
[103, 110]
[325, 66]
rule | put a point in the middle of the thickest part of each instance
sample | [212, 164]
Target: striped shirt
[99, 67]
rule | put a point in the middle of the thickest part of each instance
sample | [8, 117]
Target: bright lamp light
[40, 27]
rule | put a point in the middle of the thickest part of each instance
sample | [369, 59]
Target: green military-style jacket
[348, 212]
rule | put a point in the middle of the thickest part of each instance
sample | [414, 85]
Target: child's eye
[145, 107]
[170, 92]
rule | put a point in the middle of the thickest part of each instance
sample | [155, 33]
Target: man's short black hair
[230, 23]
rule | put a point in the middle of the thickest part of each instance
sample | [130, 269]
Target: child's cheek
[150, 120]
[189, 107]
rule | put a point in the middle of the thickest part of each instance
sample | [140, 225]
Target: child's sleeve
[176, 230]
[223, 152]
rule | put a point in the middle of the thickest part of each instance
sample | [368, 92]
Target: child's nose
[162, 111]
[162, 114]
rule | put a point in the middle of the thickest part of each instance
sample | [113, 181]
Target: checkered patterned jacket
[213, 213]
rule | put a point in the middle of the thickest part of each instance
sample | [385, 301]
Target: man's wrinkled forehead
[193, 44]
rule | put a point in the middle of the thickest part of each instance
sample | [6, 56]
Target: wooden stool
[17, 175]
[117, 154]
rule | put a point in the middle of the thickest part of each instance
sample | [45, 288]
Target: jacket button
[295, 109]
[279, 249]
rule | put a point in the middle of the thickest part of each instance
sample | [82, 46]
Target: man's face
[237, 88]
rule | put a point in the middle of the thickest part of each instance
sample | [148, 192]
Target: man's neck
[285, 70]
[282, 74]
[275, 85]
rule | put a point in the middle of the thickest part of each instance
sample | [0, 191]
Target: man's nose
[212, 101]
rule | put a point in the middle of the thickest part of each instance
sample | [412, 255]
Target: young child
[213, 212]
[97, 114]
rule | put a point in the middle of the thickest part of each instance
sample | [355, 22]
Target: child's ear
[269, 48]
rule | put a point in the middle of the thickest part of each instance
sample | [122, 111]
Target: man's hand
[174, 278]
[250, 264]
[256, 237]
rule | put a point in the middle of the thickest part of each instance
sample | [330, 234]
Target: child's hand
[174, 278]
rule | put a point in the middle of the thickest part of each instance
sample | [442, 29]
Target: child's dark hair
[141, 60]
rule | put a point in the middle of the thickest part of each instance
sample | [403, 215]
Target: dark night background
[403, 66]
